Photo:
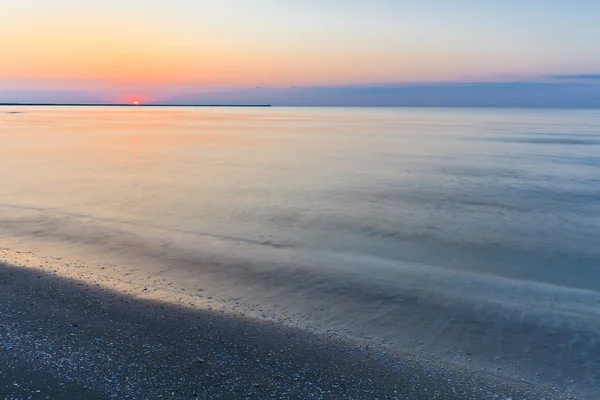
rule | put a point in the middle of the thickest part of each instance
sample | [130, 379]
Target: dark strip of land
[129, 105]
[65, 339]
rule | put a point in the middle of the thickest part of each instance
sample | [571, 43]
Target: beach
[66, 335]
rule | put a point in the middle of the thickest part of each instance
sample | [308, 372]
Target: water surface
[438, 230]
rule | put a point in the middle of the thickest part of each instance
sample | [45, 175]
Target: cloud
[477, 94]
[554, 94]
[581, 77]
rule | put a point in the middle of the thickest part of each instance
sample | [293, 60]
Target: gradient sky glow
[157, 49]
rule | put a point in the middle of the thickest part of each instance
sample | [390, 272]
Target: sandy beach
[77, 337]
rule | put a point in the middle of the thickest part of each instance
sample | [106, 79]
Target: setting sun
[135, 103]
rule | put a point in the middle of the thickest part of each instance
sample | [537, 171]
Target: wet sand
[88, 338]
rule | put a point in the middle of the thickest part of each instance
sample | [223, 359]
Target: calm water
[407, 221]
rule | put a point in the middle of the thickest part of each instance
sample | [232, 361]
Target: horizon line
[130, 105]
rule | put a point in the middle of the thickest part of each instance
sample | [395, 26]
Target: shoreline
[98, 338]
[512, 331]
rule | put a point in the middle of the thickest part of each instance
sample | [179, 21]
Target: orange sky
[131, 52]
[181, 43]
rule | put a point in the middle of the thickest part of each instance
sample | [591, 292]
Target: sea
[470, 236]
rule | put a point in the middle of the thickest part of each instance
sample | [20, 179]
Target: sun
[135, 103]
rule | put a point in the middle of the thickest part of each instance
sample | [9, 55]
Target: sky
[306, 52]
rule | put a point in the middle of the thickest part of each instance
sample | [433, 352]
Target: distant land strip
[130, 105]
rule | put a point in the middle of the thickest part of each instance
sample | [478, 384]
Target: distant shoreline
[130, 105]
[465, 107]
